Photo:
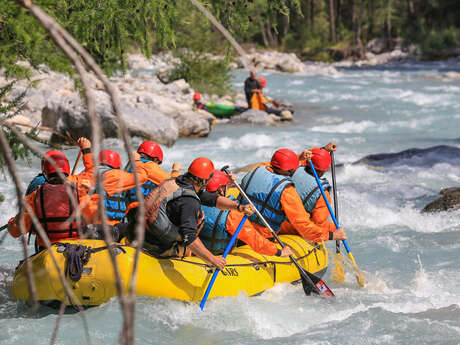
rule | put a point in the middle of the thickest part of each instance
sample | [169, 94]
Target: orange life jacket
[258, 102]
[53, 207]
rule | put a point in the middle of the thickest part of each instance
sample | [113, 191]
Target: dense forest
[315, 29]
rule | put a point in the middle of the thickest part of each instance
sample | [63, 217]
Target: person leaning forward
[308, 190]
[219, 226]
[174, 217]
[272, 190]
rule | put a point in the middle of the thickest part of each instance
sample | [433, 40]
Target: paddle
[310, 282]
[358, 273]
[76, 162]
[227, 250]
[338, 273]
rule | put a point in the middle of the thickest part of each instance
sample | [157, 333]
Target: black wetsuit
[249, 86]
[183, 211]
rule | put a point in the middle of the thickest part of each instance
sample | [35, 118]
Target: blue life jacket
[35, 183]
[146, 188]
[214, 233]
[264, 188]
[115, 205]
[308, 189]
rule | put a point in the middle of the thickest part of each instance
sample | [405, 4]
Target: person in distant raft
[85, 178]
[197, 102]
[251, 86]
[174, 217]
[219, 226]
[151, 156]
[52, 204]
[272, 191]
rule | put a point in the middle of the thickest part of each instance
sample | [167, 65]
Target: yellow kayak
[181, 279]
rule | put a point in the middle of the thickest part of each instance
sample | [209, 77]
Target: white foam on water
[297, 82]
[346, 127]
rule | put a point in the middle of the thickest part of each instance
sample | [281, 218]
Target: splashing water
[380, 110]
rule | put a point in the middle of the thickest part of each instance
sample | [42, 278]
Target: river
[411, 260]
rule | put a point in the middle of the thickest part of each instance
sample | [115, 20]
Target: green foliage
[438, 43]
[105, 28]
[109, 29]
[7, 111]
[204, 74]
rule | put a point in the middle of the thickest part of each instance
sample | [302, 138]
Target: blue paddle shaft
[227, 250]
[328, 204]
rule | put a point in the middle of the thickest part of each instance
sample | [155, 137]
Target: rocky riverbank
[154, 109]
[150, 107]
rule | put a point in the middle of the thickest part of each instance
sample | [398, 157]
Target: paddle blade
[358, 274]
[321, 287]
[338, 274]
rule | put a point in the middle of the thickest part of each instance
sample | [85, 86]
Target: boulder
[283, 62]
[255, 117]
[192, 124]
[290, 63]
[450, 200]
[70, 114]
[376, 46]
[286, 115]
[452, 75]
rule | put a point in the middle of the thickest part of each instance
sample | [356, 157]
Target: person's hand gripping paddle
[310, 282]
[359, 275]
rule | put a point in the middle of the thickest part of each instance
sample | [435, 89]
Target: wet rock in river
[450, 200]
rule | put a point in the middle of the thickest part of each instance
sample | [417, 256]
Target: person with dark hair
[251, 86]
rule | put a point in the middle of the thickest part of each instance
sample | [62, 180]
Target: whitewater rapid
[411, 260]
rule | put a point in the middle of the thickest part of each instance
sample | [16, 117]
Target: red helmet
[321, 159]
[110, 158]
[202, 168]
[151, 149]
[218, 179]
[285, 159]
[59, 159]
[262, 82]
[196, 96]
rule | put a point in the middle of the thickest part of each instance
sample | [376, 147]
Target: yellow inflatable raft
[182, 279]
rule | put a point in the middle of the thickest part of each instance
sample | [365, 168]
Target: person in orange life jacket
[151, 156]
[116, 181]
[263, 83]
[197, 101]
[173, 213]
[219, 226]
[308, 190]
[84, 178]
[51, 203]
[273, 193]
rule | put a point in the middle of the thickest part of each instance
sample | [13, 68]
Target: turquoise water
[411, 260]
